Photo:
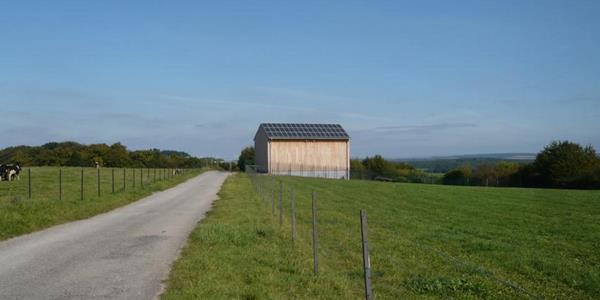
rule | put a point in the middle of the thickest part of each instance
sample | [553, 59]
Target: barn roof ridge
[302, 131]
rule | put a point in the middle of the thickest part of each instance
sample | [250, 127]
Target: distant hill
[443, 164]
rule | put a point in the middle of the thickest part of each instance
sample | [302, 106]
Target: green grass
[427, 241]
[20, 214]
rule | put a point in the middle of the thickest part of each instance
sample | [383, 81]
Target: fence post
[154, 180]
[124, 178]
[293, 215]
[272, 201]
[280, 203]
[113, 180]
[142, 178]
[133, 177]
[59, 183]
[365, 249]
[81, 186]
[29, 181]
[98, 177]
[314, 232]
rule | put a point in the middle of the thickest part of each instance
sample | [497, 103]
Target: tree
[485, 174]
[247, 157]
[567, 165]
[455, 177]
[357, 169]
[117, 156]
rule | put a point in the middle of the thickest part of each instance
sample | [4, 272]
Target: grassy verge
[20, 215]
[427, 241]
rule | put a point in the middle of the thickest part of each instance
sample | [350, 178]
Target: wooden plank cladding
[311, 150]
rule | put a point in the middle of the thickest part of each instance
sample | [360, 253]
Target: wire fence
[72, 183]
[304, 225]
[338, 173]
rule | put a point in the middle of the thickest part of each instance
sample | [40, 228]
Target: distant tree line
[561, 164]
[115, 155]
[378, 168]
[444, 165]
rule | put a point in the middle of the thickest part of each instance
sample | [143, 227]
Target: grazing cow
[10, 172]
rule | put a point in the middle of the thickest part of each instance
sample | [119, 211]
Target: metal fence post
[98, 177]
[314, 232]
[272, 201]
[81, 186]
[29, 181]
[365, 249]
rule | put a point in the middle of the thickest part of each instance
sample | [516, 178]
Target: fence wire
[267, 188]
[72, 183]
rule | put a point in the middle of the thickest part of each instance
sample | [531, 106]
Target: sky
[406, 79]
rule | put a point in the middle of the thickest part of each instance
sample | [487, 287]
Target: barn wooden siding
[316, 158]
[298, 149]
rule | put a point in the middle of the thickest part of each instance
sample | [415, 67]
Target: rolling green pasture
[20, 214]
[427, 241]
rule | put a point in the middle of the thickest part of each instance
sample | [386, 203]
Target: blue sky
[406, 79]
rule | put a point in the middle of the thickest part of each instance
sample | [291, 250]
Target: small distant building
[310, 150]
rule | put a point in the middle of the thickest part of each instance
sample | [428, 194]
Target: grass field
[20, 214]
[427, 241]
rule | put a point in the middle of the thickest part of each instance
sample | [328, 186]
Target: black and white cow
[10, 172]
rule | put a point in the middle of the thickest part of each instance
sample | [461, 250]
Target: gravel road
[122, 254]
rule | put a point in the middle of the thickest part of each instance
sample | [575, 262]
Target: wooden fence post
[142, 178]
[124, 178]
[365, 249]
[314, 233]
[113, 180]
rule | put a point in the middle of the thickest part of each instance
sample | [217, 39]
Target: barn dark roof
[294, 131]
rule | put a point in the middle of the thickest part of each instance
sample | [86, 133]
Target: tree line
[116, 155]
[378, 168]
[561, 164]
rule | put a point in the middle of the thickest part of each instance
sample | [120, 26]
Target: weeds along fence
[301, 215]
[72, 183]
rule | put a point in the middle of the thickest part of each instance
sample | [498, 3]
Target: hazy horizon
[404, 79]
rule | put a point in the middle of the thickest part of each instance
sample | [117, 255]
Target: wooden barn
[311, 150]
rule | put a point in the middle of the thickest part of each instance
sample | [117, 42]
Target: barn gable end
[311, 150]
